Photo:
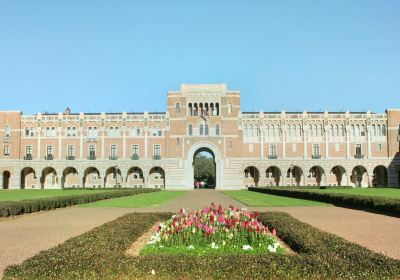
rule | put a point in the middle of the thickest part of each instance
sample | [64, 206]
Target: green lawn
[266, 200]
[385, 192]
[138, 201]
[17, 195]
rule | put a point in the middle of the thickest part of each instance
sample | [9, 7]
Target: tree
[204, 169]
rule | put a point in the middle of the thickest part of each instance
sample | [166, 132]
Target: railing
[70, 157]
[358, 156]
[156, 157]
[272, 157]
[49, 157]
[113, 158]
[91, 139]
[91, 157]
[134, 157]
[316, 156]
[28, 157]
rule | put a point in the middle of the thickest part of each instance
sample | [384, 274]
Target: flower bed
[213, 229]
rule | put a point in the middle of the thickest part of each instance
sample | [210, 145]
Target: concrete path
[24, 236]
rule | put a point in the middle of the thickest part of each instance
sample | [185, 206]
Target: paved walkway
[24, 236]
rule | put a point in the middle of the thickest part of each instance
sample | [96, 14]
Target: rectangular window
[92, 150]
[272, 150]
[70, 151]
[358, 149]
[135, 149]
[159, 132]
[49, 150]
[113, 151]
[6, 150]
[157, 150]
[379, 147]
[28, 150]
[190, 130]
[315, 150]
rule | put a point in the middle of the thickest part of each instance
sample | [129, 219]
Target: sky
[115, 56]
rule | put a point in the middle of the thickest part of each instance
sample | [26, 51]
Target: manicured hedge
[12, 208]
[100, 254]
[376, 204]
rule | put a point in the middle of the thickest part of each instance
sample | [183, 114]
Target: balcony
[316, 156]
[49, 157]
[113, 158]
[134, 157]
[358, 156]
[272, 157]
[91, 139]
[70, 157]
[156, 157]
[91, 157]
[6, 139]
[28, 157]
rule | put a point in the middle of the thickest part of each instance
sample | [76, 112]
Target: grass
[266, 200]
[138, 201]
[384, 192]
[18, 195]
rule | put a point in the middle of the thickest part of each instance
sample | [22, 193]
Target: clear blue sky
[115, 56]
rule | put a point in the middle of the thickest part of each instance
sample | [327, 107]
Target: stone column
[283, 142]
[39, 143]
[369, 141]
[103, 132]
[1, 181]
[305, 135]
[262, 142]
[59, 145]
[145, 142]
[81, 143]
[124, 143]
[348, 141]
[326, 143]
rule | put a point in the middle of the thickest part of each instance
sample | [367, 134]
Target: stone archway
[189, 170]
[204, 168]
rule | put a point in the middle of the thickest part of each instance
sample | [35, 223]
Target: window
[206, 129]
[49, 150]
[379, 147]
[27, 132]
[156, 150]
[70, 151]
[6, 150]
[358, 149]
[315, 150]
[177, 108]
[7, 131]
[229, 108]
[157, 131]
[135, 149]
[272, 150]
[383, 130]
[92, 132]
[190, 130]
[47, 131]
[217, 130]
[201, 130]
[113, 152]
[92, 150]
[28, 151]
[113, 131]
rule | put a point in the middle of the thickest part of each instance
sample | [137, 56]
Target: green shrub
[376, 204]
[13, 208]
[100, 254]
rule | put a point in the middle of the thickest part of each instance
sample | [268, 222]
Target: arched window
[190, 130]
[7, 131]
[206, 129]
[353, 130]
[246, 130]
[378, 130]
[373, 130]
[358, 130]
[298, 132]
[383, 130]
[255, 133]
[332, 130]
[337, 130]
[177, 108]
[251, 130]
[201, 129]
[217, 129]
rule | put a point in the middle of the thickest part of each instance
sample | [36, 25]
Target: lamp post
[291, 173]
[116, 176]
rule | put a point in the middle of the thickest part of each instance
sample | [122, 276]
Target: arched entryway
[28, 178]
[360, 177]
[49, 178]
[338, 176]
[6, 179]
[204, 169]
[113, 178]
[157, 178]
[251, 177]
[273, 176]
[135, 178]
[380, 177]
[316, 176]
[70, 178]
[189, 168]
[294, 176]
[92, 178]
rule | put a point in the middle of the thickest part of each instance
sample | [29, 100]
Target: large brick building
[157, 149]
